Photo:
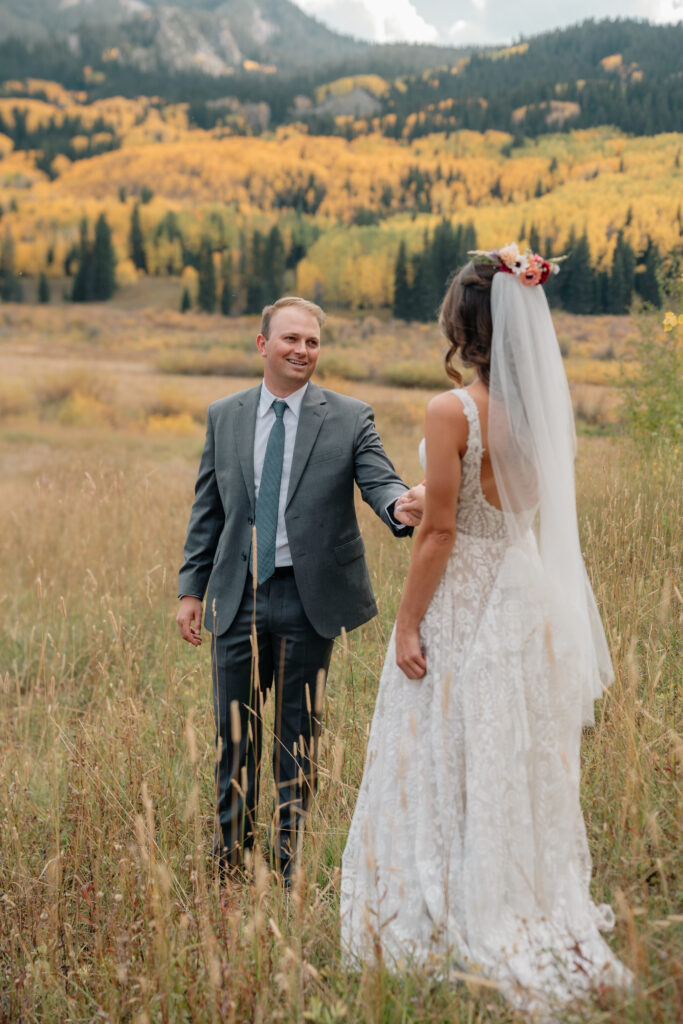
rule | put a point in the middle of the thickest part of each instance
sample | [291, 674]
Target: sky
[468, 22]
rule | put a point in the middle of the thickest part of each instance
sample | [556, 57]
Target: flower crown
[528, 266]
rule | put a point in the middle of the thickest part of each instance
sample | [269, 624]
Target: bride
[467, 846]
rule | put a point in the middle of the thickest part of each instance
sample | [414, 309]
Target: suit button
[250, 521]
[244, 557]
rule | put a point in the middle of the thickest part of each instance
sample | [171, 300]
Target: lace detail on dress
[474, 515]
[467, 848]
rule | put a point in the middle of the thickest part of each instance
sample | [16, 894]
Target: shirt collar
[293, 401]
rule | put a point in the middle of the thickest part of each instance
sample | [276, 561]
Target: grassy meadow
[109, 907]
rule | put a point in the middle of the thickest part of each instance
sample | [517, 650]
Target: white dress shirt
[265, 417]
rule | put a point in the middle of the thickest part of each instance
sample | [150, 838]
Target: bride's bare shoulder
[446, 412]
[446, 406]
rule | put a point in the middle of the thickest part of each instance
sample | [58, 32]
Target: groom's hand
[189, 619]
[409, 508]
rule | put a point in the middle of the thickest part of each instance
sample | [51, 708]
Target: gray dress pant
[290, 654]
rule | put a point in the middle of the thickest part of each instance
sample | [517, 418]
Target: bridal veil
[532, 445]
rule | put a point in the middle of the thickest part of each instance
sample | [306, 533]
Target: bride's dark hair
[465, 319]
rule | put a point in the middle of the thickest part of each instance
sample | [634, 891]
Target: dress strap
[474, 440]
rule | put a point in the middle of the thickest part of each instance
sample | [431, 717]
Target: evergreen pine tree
[621, 278]
[227, 285]
[243, 271]
[185, 300]
[255, 283]
[415, 304]
[273, 265]
[297, 244]
[402, 304]
[206, 284]
[104, 262]
[601, 292]
[535, 240]
[579, 295]
[647, 283]
[136, 244]
[43, 288]
[469, 240]
[459, 253]
[617, 287]
[426, 292]
[82, 290]
[10, 286]
[444, 255]
[426, 284]
[564, 278]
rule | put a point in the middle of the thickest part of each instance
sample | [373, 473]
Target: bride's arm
[445, 438]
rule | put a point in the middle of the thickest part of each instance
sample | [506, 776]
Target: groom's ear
[261, 344]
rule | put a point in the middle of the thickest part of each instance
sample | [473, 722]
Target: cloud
[471, 33]
[382, 21]
[473, 22]
[667, 10]
[458, 29]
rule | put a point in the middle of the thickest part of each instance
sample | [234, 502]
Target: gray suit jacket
[336, 444]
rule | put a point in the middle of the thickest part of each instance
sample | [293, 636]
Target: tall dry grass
[109, 907]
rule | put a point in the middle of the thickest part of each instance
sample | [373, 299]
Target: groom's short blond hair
[290, 300]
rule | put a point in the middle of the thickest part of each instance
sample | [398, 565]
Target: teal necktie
[268, 501]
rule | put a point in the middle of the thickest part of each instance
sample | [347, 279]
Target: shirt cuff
[399, 527]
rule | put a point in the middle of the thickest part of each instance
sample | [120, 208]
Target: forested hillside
[363, 188]
[625, 73]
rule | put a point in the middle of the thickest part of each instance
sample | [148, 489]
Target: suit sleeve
[379, 483]
[206, 523]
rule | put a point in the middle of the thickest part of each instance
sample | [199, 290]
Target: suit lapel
[245, 428]
[313, 412]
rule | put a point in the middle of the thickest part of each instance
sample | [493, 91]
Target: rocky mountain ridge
[213, 37]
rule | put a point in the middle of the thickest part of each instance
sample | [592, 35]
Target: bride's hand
[410, 506]
[409, 656]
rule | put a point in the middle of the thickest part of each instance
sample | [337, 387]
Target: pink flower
[532, 275]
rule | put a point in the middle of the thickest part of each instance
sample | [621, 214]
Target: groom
[273, 541]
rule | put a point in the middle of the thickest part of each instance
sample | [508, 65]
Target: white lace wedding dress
[467, 848]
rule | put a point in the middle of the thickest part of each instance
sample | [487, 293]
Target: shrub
[217, 362]
[180, 424]
[607, 353]
[653, 394]
[173, 401]
[14, 399]
[417, 374]
[56, 390]
[589, 406]
[344, 365]
[83, 411]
